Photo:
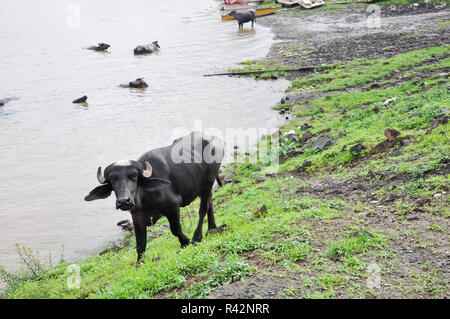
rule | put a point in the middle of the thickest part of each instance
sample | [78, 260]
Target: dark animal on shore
[244, 17]
[162, 181]
[148, 48]
[100, 47]
[80, 100]
[136, 84]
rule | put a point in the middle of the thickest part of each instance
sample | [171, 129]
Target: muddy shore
[345, 33]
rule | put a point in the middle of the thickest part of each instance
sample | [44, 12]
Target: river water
[51, 148]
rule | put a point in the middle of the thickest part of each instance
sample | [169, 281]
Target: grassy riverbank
[358, 207]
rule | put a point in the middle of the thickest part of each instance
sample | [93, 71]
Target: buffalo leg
[204, 203]
[175, 227]
[211, 219]
[140, 230]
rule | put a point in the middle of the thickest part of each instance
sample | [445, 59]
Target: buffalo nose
[124, 201]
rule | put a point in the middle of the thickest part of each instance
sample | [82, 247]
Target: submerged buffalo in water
[137, 84]
[100, 47]
[82, 99]
[146, 49]
[6, 100]
[244, 17]
[162, 181]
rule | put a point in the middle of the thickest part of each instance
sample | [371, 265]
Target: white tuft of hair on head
[122, 163]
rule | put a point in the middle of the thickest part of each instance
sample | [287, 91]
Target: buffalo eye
[134, 176]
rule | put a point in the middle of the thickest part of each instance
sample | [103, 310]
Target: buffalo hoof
[80, 100]
[195, 241]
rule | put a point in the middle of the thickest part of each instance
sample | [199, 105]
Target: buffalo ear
[99, 192]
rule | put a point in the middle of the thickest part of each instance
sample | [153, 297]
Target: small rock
[126, 225]
[342, 133]
[305, 126]
[306, 136]
[261, 211]
[294, 152]
[261, 179]
[443, 113]
[292, 136]
[218, 230]
[405, 142]
[422, 201]
[390, 101]
[357, 148]
[283, 101]
[305, 165]
[391, 134]
[412, 218]
[229, 178]
[322, 143]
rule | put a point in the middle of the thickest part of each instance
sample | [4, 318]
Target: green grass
[353, 245]
[269, 4]
[360, 71]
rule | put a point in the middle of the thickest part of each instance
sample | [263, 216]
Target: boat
[307, 4]
[258, 12]
[239, 4]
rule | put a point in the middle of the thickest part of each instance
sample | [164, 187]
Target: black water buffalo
[82, 99]
[136, 84]
[244, 17]
[162, 181]
[148, 48]
[100, 47]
